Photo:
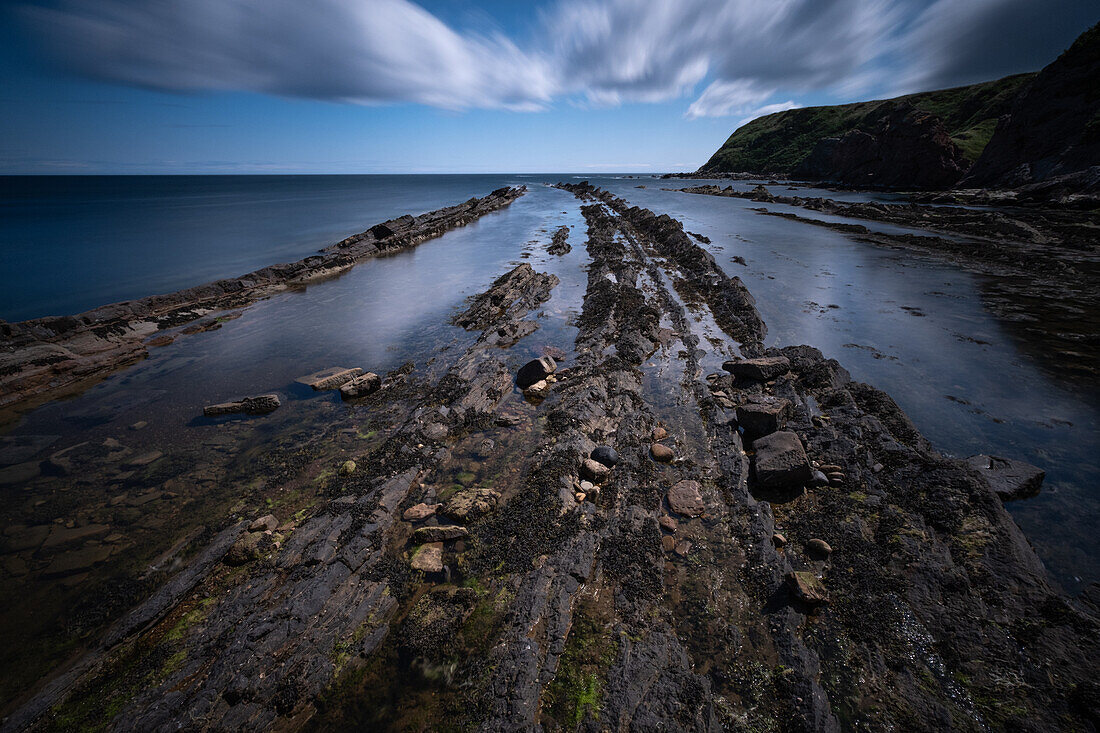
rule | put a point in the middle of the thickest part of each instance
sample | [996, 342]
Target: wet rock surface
[1010, 479]
[930, 610]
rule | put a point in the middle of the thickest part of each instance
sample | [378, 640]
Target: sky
[469, 86]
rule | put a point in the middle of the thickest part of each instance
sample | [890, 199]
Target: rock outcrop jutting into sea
[826, 570]
[47, 357]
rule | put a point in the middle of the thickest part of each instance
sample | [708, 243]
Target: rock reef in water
[50, 356]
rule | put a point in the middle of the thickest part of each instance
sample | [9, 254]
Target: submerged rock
[471, 504]
[780, 461]
[661, 453]
[535, 370]
[685, 498]
[259, 405]
[1010, 479]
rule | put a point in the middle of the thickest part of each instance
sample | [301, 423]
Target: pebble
[778, 540]
[668, 543]
[830, 468]
[683, 547]
[419, 512]
[819, 548]
[659, 434]
[661, 453]
[579, 497]
[587, 486]
[266, 522]
[606, 455]
[669, 523]
[595, 471]
[348, 468]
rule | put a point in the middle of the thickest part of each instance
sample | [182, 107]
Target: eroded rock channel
[643, 545]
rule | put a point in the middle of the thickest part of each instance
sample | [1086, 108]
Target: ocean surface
[913, 326]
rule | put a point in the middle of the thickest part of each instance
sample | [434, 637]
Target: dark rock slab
[686, 498]
[780, 461]
[1009, 478]
[760, 369]
[535, 371]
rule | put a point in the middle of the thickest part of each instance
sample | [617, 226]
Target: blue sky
[392, 86]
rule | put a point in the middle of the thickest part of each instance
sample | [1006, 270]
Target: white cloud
[339, 50]
[606, 52]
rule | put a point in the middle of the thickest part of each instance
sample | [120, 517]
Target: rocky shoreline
[778, 549]
[46, 358]
[1043, 263]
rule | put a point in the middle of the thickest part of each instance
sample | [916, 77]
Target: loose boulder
[420, 512]
[1010, 479]
[361, 386]
[758, 370]
[762, 416]
[780, 461]
[266, 522]
[535, 370]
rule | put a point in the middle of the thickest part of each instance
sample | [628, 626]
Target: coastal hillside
[1053, 127]
[780, 142]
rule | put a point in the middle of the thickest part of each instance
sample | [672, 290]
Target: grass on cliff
[778, 142]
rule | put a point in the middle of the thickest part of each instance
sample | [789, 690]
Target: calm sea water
[70, 243]
[913, 326]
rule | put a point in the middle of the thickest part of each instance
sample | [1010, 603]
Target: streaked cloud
[749, 57]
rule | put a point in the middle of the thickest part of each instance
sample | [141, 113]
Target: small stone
[251, 546]
[579, 497]
[606, 455]
[428, 558]
[420, 512]
[139, 425]
[819, 479]
[535, 370]
[440, 534]
[668, 543]
[830, 468]
[683, 547]
[540, 390]
[877, 467]
[661, 453]
[595, 471]
[818, 549]
[264, 523]
[834, 476]
[685, 498]
[668, 523]
[807, 587]
[659, 434]
[347, 468]
[778, 540]
[587, 486]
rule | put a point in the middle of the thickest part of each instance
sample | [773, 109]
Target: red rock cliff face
[1053, 129]
[904, 148]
